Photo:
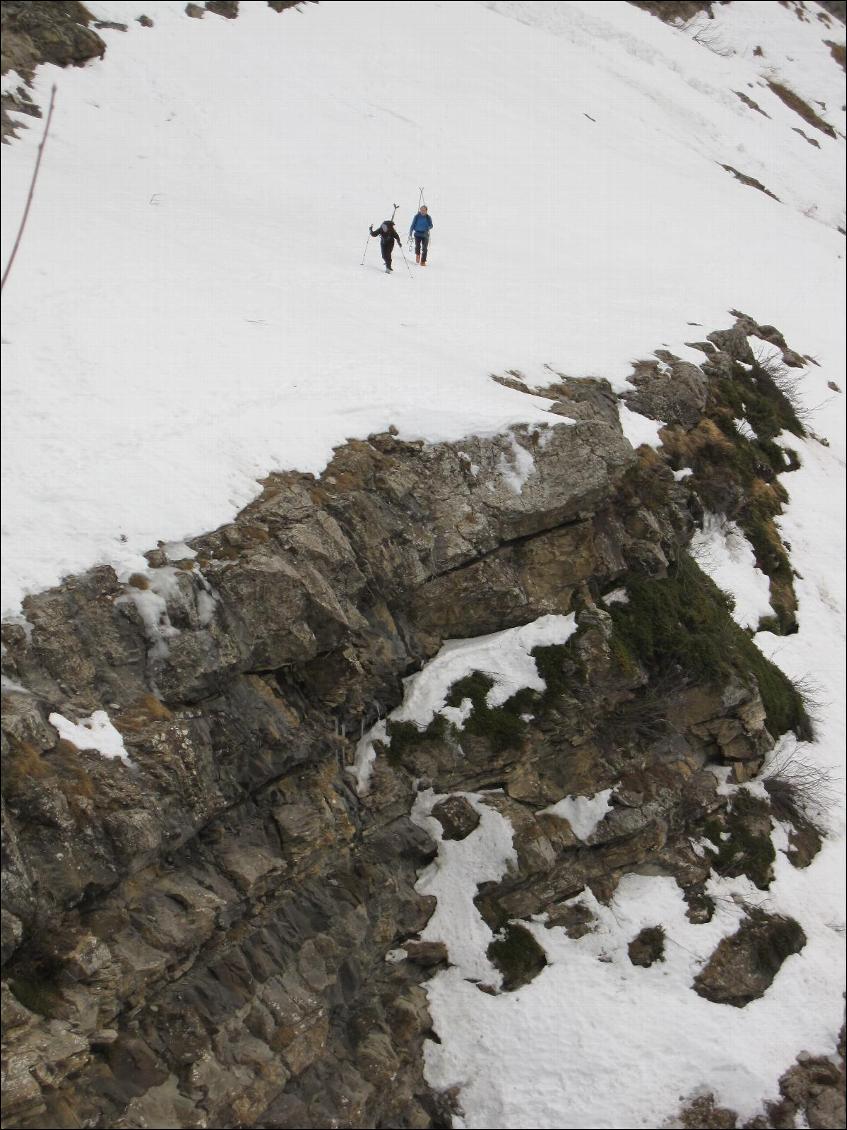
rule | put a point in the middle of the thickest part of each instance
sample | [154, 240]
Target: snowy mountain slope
[189, 310]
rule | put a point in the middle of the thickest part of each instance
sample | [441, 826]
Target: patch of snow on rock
[639, 430]
[583, 813]
[723, 551]
[96, 732]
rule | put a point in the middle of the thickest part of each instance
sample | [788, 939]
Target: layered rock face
[210, 929]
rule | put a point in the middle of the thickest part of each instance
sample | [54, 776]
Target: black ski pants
[385, 247]
[421, 246]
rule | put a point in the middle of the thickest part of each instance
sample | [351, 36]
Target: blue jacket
[421, 225]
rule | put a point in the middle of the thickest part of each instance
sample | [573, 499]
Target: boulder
[743, 966]
[457, 817]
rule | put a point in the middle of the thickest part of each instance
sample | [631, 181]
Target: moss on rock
[743, 840]
[682, 625]
[502, 726]
[517, 955]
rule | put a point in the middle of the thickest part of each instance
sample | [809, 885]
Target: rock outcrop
[213, 928]
[51, 31]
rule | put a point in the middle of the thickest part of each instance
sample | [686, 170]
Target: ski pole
[364, 253]
[403, 253]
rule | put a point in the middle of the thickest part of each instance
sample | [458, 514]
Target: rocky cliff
[219, 925]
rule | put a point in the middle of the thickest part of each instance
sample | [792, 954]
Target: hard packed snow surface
[596, 1042]
[189, 310]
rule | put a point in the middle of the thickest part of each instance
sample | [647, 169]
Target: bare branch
[31, 191]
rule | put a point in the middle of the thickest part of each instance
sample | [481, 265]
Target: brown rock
[457, 817]
[647, 947]
[744, 965]
[226, 8]
[703, 1113]
[576, 919]
[426, 954]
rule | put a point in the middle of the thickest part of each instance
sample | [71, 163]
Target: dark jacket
[387, 233]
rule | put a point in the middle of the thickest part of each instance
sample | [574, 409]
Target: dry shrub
[143, 713]
[797, 787]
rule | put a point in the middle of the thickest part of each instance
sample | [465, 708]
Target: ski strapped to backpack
[368, 240]
[410, 243]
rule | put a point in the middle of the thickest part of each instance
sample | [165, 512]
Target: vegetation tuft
[765, 395]
[502, 726]
[743, 840]
[648, 946]
[555, 666]
[800, 792]
[737, 474]
[405, 737]
[681, 625]
[799, 788]
[517, 955]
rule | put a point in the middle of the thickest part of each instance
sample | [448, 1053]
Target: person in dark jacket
[420, 229]
[387, 234]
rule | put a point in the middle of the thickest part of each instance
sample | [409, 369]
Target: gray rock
[675, 393]
[12, 932]
[733, 342]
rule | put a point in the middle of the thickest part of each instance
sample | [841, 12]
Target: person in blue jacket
[420, 229]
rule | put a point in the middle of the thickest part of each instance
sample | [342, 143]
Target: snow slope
[188, 310]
